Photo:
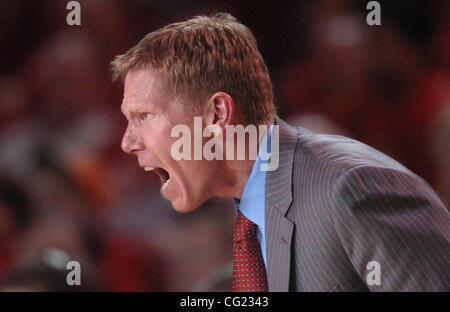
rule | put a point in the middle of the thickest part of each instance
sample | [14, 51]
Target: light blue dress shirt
[252, 203]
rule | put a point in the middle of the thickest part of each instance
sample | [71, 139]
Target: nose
[131, 141]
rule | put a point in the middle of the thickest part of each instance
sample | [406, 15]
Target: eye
[145, 116]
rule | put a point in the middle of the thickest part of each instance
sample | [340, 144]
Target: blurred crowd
[68, 192]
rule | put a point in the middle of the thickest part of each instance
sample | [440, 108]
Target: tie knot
[244, 229]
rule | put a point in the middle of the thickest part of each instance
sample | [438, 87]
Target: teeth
[148, 168]
[165, 185]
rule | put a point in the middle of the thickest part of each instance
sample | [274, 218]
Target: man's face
[152, 113]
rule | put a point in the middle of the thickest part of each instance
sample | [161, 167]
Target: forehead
[142, 87]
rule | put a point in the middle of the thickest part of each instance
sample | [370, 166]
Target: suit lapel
[279, 229]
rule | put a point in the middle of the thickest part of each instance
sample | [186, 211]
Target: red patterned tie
[249, 272]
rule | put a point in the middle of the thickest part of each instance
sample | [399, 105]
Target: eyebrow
[132, 108]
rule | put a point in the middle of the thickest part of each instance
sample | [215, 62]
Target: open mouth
[163, 176]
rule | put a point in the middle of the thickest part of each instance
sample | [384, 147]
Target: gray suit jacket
[335, 204]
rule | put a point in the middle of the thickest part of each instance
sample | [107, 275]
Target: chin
[184, 205]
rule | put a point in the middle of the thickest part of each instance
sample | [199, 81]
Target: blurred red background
[69, 192]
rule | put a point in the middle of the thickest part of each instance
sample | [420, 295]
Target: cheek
[195, 174]
[157, 136]
[186, 176]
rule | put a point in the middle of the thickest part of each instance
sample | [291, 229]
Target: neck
[235, 173]
[234, 177]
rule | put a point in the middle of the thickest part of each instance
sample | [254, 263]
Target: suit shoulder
[340, 151]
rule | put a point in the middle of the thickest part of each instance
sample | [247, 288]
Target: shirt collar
[253, 195]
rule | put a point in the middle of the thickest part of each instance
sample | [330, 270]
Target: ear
[220, 110]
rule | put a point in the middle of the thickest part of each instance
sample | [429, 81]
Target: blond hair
[203, 55]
